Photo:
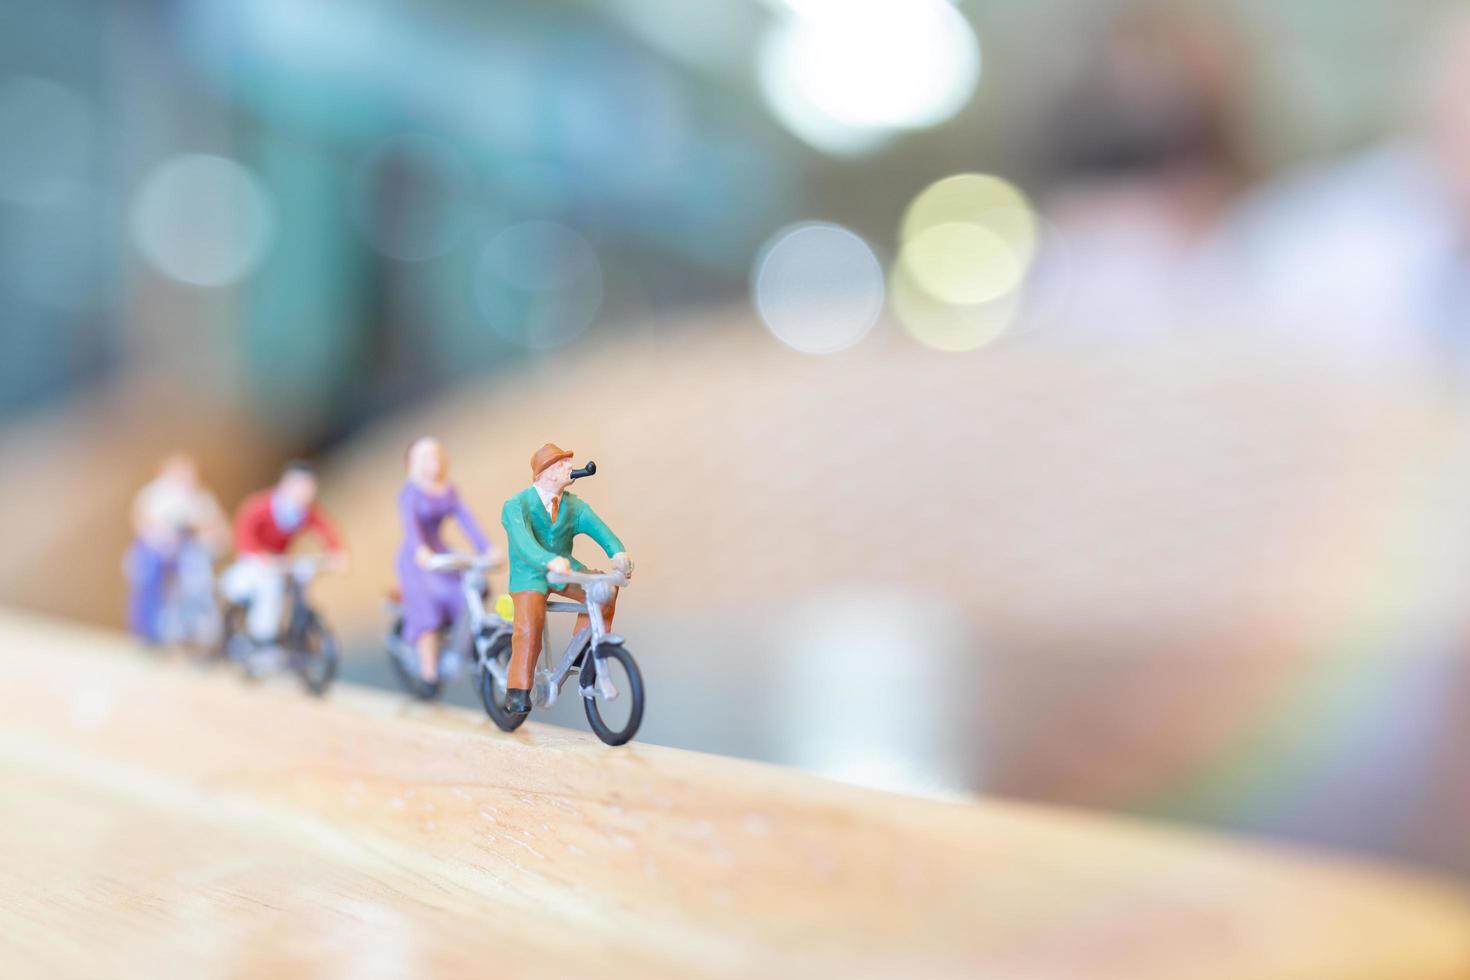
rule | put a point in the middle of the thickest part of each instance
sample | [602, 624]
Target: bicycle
[596, 681]
[310, 648]
[484, 630]
[190, 617]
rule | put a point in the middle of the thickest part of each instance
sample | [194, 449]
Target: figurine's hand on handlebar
[560, 565]
[422, 556]
[624, 564]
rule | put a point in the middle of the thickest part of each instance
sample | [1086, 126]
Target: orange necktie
[555, 504]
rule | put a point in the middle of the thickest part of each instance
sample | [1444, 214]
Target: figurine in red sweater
[265, 526]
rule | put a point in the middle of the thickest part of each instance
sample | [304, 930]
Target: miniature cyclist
[540, 523]
[431, 600]
[265, 525]
[177, 523]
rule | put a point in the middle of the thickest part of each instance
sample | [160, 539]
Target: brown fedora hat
[545, 456]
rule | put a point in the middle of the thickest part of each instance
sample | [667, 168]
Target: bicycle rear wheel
[616, 721]
[493, 695]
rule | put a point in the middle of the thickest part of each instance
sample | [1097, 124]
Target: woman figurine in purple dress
[431, 600]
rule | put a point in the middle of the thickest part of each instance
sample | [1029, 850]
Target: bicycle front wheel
[315, 658]
[408, 676]
[615, 720]
[236, 646]
[204, 633]
[233, 639]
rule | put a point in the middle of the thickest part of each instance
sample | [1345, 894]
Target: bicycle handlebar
[587, 578]
[458, 561]
[289, 561]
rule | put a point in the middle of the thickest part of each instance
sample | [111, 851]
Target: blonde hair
[416, 449]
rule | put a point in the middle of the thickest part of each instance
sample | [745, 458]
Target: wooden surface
[159, 821]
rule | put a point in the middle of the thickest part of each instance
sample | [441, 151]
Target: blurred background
[1057, 400]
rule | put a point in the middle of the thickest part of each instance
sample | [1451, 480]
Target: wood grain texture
[159, 821]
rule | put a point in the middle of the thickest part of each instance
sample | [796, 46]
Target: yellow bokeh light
[966, 245]
[969, 198]
[946, 326]
[962, 263]
[981, 200]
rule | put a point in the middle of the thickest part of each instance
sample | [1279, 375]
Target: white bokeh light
[203, 220]
[539, 284]
[844, 76]
[876, 652]
[818, 287]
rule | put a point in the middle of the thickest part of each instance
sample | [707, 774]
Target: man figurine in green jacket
[540, 523]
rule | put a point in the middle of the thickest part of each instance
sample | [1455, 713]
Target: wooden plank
[158, 820]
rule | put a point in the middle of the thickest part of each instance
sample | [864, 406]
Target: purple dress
[431, 600]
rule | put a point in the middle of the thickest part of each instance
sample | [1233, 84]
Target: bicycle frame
[298, 611]
[190, 613]
[599, 590]
[487, 631]
[299, 572]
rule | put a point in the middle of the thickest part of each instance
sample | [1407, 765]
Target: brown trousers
[529, 626]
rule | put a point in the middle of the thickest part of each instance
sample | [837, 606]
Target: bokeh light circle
[967, 245]
[411, 197]
[979, 199]
[948, 326]
[203, 220]
[963, 263]
[842, 76]
[817, 287]
[46, 141]
[539, 284]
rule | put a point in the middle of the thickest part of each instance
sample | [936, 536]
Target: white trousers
[262, 585]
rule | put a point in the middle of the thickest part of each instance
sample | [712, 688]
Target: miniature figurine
[265, 525]
[540, 523]
[180, 528]
[606, 671]
[478, 635]
[431, 597]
